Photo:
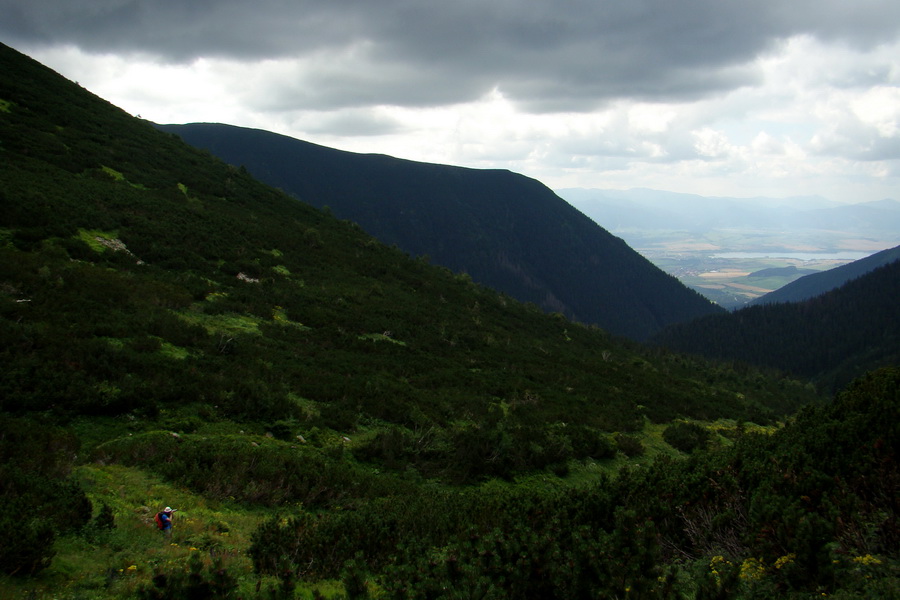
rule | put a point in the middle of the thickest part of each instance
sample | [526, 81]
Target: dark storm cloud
[546, 56]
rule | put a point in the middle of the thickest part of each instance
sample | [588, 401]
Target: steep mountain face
[831, 338]
[816, 284]
[505, 230]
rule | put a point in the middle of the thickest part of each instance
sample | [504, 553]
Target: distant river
[796, 255]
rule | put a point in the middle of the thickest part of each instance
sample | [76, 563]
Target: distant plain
[718, 246]
[721, 264]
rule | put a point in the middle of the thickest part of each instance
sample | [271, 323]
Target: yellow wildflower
[868, 559]
[716, 560]
[753, 569]
[714, 564]
[785, 560]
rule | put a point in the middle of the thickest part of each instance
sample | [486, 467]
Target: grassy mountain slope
[831, 339]
[505, 230]
[139, 274]
[816, 284]
[335, 419]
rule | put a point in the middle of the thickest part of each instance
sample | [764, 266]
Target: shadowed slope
[505, 230]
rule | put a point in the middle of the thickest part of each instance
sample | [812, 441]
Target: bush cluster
[805, 511]
[40, 501]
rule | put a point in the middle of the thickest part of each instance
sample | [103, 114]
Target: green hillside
[333, 418]
[830, 339]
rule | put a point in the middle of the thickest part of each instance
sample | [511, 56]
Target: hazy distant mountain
[655, 209]
[816, 284]
[865, 217]
[505, 230]
[644, 209]
[831, 338]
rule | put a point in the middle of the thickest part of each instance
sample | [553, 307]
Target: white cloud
[734, 99]
[879, 108]
[711, 143]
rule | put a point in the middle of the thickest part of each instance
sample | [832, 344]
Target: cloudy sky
[716, 97]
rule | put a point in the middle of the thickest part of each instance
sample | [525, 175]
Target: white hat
[168, 509]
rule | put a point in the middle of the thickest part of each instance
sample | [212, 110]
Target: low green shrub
[199, 581]
[40, 500]
[685, 436]
[629, 445]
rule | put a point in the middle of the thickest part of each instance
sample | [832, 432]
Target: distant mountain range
[505, 230]
[819, 283]
[645, 209]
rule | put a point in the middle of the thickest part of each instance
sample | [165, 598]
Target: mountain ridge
[504, 229]
[830, 338]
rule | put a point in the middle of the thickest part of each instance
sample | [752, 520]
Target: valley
[727, 278]
[716, 245]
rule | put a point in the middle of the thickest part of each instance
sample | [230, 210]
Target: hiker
[164, 520]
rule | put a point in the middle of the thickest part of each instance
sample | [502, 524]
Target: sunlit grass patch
[193, 200]
[228, 323]
[280, 316]
[117, 562]
[5, 105]
[310, 408]
[116, 343]
[730, 427]
[172, 351]
[93, 237]
[654, 443]
[116, 175]
[650, 437]
[166, 349]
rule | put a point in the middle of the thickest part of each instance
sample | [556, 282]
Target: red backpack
[158, 519]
